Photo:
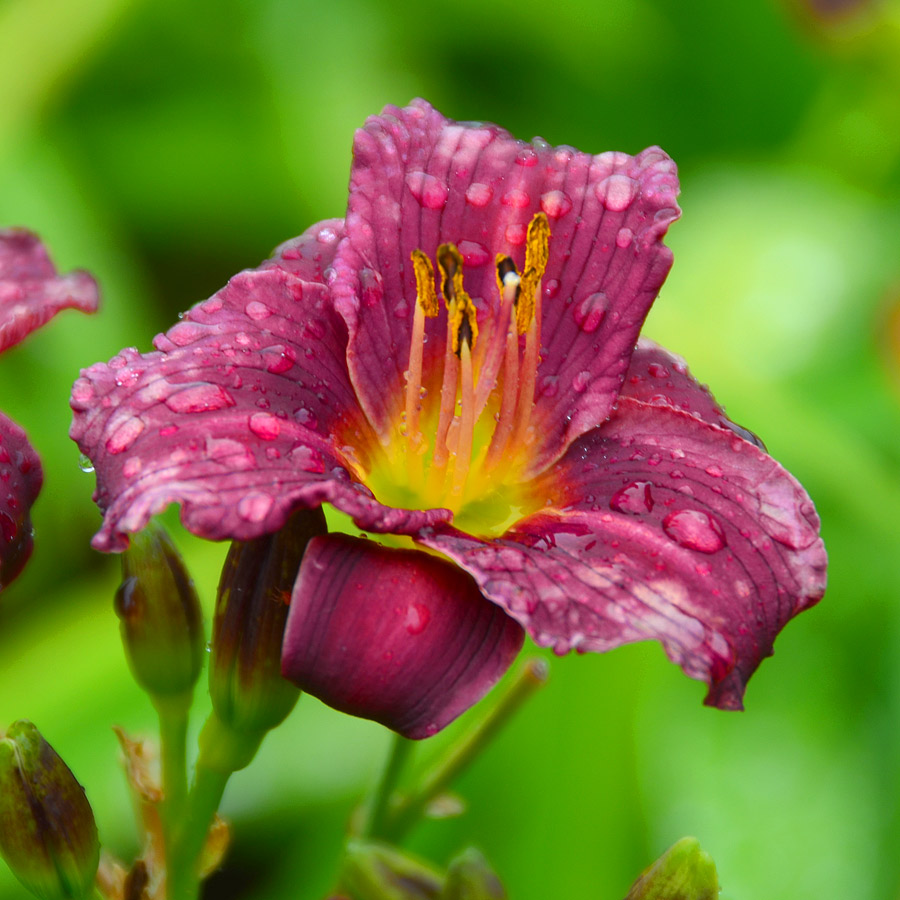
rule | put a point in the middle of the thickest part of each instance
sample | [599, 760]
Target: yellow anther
[537, 252]
[506, 272]
[461, 309]
[426, 296]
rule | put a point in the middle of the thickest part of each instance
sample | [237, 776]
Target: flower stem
[222, 752]
[377, 806]
[173, 722]
[532, 676]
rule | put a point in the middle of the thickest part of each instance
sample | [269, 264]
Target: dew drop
[616, 192]
[125, 435]
[166, 430]
[186, 332]
[581, 381]
[549, 385]
[589, 312]
[85, 464]
[694, 530]
[199, 398]
[132, 466]
[7, 527]
[326, 236]
[624, 238]
[265, 426]
[527, 157]
[428, 190]
[474, 254]
[556, 204]
[516, 198]
[479, 195]
[516, 234]
[417, 618]
[255, 507]
[273, 453]
[257, 311]
[278, 358]
[635, 498]
[714, 471]
[657, 370]
[306, 459]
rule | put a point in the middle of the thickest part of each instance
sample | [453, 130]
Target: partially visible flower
[31, 293]
[683, 872]
[454, 363]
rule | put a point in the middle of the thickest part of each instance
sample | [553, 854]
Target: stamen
[466, 418]
[460, 307]
[537, 253]
[426, 305]
[508, 286]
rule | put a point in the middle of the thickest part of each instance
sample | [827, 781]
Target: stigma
[465, 433]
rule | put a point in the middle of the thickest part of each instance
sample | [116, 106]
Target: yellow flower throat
[464, 437]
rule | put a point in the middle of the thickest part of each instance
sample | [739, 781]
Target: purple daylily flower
[31, 293]
[456, 366]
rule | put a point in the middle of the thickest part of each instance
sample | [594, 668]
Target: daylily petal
[20, 483]
[398, 636]
[31, 293]
[234, 415]
[419, 180]
[663, 526]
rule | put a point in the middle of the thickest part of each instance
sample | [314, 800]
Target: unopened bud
[161, 619]
[47, 831]
[469, 877]
[245, 683]
[683, 872]
[380, 872]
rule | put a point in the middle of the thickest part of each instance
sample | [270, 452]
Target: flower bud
[683, 872]
[161, 620]
[245, 683]
[47, 831]
[469, 877]
[375, 871]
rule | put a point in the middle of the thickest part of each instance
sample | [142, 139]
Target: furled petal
[419, 179]
[20, 483]
[31, 293]
[235, 414]
[398, 636]
[659, 525]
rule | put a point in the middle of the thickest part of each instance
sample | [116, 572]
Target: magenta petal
[666, 527]
[419, 179]
[31, 293]
[398, 636]
[236, 414]
[20, 483]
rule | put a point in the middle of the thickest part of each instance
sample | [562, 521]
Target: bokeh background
[166, 145]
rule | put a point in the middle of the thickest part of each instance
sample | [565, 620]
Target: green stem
[173, 723]
[377, 807]
[222, 752]
[532, 676]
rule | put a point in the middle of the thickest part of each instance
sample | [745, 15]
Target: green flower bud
[380, 872]
[245, 683]
[469, 877]
[683, 872]
[161, 620]
[47, 831]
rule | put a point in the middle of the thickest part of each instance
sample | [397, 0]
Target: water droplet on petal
[199, 398]
[326, 236]
[694, 530]
[7, 527]
[581, 381]
[479, 194]
[635, 498]
[265, 426]
[624, 238]
[527, 157]
[304, 417]
[616, 192]
[474, 254]
[166, 430]
[516, 198]
[714, 471]
[306, 459]
[186, 332]
[549, 385]
[257, 311]
[255, 507]
[589, 312]
[132, 466]
[556, 204]
[125, 435]
[417, 618]
[428, 190]
[85, 464]
[278, 358]
[516, 234]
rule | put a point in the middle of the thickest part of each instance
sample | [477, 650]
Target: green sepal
[683, 872]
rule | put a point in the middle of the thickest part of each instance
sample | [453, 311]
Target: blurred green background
[166, 145]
